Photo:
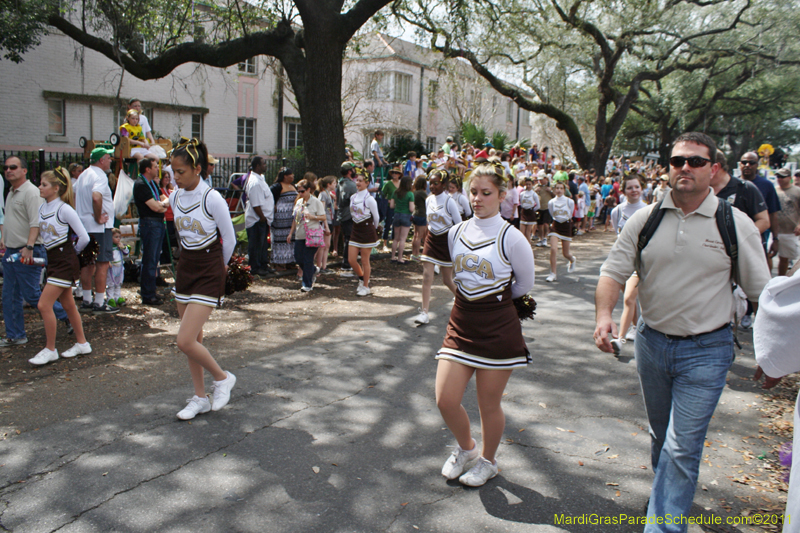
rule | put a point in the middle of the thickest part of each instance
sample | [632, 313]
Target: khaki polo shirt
[22, 214]
[685, 275]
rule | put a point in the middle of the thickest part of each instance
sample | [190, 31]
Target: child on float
[484, 334]
[56, 218]
[133, 131]
[206, 236]
[561, 209]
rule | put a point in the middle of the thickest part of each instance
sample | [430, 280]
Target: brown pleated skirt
[63, 266]
[200, 276]
[364, 234]
[436, 250]
[562, 230]
[528, 215]
[485, 333]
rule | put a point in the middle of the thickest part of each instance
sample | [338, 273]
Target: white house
[63, 91]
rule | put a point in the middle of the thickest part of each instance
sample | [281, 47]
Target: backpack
[725, 225]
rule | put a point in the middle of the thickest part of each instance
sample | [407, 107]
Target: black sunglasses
[301, 191]
[695, 161]
[746, 162]
[10, 167]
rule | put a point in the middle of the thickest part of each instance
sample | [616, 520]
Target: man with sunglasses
[20, 234]
[684, 342]
[748, 164]
[742, 195]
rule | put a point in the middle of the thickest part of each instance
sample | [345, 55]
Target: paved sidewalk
[342, 434]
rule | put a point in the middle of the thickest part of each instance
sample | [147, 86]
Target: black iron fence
[233, 165]
[41, 160]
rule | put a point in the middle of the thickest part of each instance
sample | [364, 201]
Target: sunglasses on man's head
[10, 167]
[747, 162]
[695, 161]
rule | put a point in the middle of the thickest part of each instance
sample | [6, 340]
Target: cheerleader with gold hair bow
[56, 218]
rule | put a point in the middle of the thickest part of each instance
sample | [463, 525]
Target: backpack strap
[727, 230]
[741, 191]
[648, 230]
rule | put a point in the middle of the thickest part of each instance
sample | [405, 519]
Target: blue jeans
[21, 282]
[304, 256]
[682, 380]
[151, 233]
[257, 246]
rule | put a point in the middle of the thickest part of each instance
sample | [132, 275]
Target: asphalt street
[340, 433]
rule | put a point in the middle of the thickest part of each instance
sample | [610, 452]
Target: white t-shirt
[93, 179]
[145, 124]
[623, 212]
[258, 195]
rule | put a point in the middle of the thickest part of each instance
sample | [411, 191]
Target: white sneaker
[222, 392]
[455, 464]
[580, 232]
[479, 474]
[616, 345]
[436, 269]
[746, 322]
[571, 267]
[551, 277]
[194, 406]
[360, 284]
[540, 243]
[422, 317]
[347, 274]
[78, 349]
[363, 291]
[631, 335]
[44, 357]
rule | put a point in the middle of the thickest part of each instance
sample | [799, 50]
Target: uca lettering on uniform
[49, 229]
[469, 263]
[189, 224]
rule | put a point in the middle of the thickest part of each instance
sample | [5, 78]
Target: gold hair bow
[62, 175]
[190, 147]
[360, 171]
[443, 175]
[499, 170]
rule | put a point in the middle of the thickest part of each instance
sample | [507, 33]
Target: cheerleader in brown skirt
[56, 218]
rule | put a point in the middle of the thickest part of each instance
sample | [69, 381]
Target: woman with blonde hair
[56, 218]
[484, 335]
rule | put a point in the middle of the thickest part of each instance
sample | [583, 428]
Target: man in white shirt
[258, 213]
[95, 207]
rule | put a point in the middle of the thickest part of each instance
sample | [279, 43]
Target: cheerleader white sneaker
[551, 277]
[194, 406]
[78, 349]
[44, 357]
[571, 267]
[455, 464]
[222, 392]
[479, 474]
[436, 269]
[363, 291]
[631, 335]
[422, 317]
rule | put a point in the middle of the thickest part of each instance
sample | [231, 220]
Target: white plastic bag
[739, 308]
[158, 151]
[123, 194]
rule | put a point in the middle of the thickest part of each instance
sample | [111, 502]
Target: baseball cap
[449, 139]
[212, 160]
[98, 153]
[783, 172]
[664, 177]
[347, 165]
